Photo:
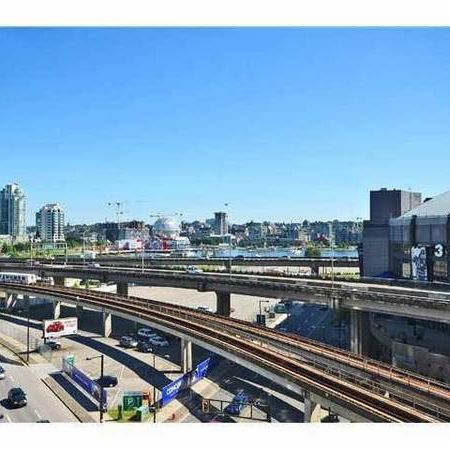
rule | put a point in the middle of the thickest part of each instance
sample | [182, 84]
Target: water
[279, 252]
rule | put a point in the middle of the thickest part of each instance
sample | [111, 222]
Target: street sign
[132, 400]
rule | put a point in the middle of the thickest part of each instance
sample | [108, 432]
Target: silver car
[128, 342]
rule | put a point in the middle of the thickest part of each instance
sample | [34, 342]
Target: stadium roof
[437, 206]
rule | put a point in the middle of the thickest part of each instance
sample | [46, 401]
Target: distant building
[50, 223]
[13, 212]
[220, 223]
[384, 205]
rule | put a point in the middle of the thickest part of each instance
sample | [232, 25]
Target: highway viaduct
[359, 298]
[319, 388]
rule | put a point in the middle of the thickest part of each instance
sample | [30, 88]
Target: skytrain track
[204, 327]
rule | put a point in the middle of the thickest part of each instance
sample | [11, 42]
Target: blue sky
[283, 124]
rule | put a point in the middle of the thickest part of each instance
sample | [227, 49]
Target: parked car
[204, 309]
[193, 270]
[17, 397]
[53, 344]
[330, 418]
[2, 373]
[237, 404]
[144, 347]
[146, 333]
[93, 265]
[128, 342]
[222, 418]
[159, 341]
[107, 381]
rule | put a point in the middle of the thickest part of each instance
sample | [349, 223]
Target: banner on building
[60, 327]
[419, 270]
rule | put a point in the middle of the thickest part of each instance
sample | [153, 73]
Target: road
[42, 403]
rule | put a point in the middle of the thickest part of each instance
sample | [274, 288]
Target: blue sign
[89, 385]
[169, 392]
[200, 371]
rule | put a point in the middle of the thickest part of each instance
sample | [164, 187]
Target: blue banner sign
[200, 371]
[85, 382]
[169, 392]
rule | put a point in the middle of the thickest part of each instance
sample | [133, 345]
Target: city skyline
[185, 120]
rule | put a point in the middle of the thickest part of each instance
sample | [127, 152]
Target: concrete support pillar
[56, 309]
[313, 410]
[359, 332]
[79, 309]
[223, 303]
[186, 355]
[107, 324]
[59, 281]
[10, 300]
[122, 289]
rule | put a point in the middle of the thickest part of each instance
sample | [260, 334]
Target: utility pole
[229, 235]
[101, 398]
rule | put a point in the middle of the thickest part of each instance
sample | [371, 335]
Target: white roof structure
[437, 206]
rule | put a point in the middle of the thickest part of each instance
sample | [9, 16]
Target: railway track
[309, 377]
[294, 342]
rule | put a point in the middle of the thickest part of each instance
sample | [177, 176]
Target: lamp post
[31, 251]
[229, 237]
[100, 400]
[28, 329]
[260, 309]
[332, 256]
[153, 384]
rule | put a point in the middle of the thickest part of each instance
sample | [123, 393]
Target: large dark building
[384, 205]
[419, 241]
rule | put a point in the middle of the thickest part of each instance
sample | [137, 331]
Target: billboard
[60, 327]
[85, 382]
[419, 270]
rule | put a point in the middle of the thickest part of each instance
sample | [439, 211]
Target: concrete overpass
[359, 298]
[320, 387]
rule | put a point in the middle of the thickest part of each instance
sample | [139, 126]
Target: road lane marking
[8, 418]
[37, 414]
[11, 378]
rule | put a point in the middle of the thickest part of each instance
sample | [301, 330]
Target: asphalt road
[42, 403]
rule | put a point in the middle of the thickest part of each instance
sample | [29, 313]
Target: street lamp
[229, 237]
[31, 251]
[100, 400]
[332, 256]
[260, 308]
[153, 383]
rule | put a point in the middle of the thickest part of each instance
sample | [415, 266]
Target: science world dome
[166, 227]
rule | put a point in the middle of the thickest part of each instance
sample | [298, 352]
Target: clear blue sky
[284, 124]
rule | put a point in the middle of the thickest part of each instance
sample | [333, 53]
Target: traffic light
[205, 405]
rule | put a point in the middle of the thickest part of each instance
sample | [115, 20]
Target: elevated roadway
[136, 260]
[262, 350]
[425, 304]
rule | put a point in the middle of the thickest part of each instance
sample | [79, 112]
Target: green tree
[312, 252]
